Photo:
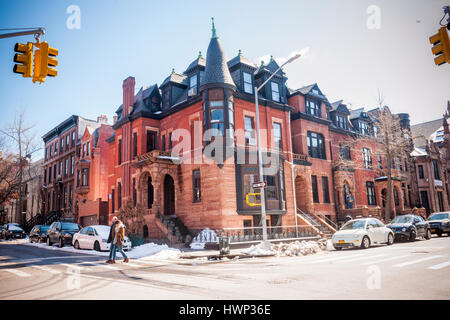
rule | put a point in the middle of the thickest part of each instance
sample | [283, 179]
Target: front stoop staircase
[42, 219]
[173, 228]
[325, 227]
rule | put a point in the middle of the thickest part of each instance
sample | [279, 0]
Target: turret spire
[214, 35]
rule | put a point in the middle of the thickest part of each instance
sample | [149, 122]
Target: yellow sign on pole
[254, 197]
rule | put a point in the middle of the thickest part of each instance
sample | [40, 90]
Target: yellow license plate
[433, 230]
[341, 241]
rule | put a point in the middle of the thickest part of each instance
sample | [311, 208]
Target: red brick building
[59, 168]
[186, 151]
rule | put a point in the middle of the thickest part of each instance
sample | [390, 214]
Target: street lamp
[260, 163]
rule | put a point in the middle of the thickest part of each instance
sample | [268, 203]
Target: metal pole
[261, 175]
[38, 32]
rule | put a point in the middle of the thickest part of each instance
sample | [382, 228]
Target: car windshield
[402, 219]
[103, 231]
[15, 228]
[439, 216]
[44, 228]
[70, 226]
[354, 224]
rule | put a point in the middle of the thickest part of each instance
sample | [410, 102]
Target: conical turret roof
[216, 70]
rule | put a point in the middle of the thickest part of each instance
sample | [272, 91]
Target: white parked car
[95, 237]
[362, 233]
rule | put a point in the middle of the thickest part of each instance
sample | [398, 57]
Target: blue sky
[146, 39]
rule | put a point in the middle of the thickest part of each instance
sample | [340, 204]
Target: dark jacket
[111, 233]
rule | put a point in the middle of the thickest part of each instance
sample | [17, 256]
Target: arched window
[149, 192]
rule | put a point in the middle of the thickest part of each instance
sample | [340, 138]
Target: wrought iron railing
[273, 233]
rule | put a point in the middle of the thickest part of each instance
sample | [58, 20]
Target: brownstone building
[186, 152]
[59, 167]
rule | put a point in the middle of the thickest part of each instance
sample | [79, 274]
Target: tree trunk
[387, 216]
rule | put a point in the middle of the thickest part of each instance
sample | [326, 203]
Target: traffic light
[24, 58]
[441, 46]
[44, 61]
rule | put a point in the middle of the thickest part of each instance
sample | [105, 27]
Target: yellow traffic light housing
[441, 46]
[24, 59]
[44, 61]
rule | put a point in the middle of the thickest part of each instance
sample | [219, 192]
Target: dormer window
[314, 90]
[248, 86]
[341, 122]
[363, 127]
[313, 108]
[275, 91]
[193, 82]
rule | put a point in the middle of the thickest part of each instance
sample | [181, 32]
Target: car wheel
[76, 245]
[96, 246]
[338, 248]
[390, 239]
[61, 243]
[365, 243]
[49, 243]
[428, 235]
[412, 236]
[439, 233]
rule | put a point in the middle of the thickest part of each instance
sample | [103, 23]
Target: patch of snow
[206, 235]
[148, 250]
[258, 250]
[154, 251]
[197, 245]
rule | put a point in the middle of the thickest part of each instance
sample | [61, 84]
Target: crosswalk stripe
[364, 257]
[440, 266]
[383, 260]
[416, 261]
[18, 273]
[50, 270]
[104, 266]
[337, 258]
[74, 266]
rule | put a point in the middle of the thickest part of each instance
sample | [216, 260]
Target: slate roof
[216, 71]
[175, 78]
[199, 62]
[240, 59]
[425, 129]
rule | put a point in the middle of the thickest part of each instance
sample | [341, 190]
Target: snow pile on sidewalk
[298, 248]
[148, 250]
[258, 250]
[206, 235]
[153, 250]
[66, 249]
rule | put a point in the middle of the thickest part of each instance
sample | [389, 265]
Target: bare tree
[22, 144]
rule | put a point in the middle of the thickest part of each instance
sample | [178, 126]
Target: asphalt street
[418, 270]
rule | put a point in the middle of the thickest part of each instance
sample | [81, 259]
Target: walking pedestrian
[117, 243]
[111, 238]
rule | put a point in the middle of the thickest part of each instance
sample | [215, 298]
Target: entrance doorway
[169, 195]
[301, 193]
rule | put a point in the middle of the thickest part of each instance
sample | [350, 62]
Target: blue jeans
[114, 248]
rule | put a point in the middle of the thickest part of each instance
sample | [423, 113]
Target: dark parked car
[409, 227]
[440, 223]
[39, 233]
[62, 233]
[12, 231]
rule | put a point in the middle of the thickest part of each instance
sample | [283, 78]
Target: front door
[169, 195]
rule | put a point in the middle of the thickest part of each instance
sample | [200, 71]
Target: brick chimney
[128, 95]
[103, 119]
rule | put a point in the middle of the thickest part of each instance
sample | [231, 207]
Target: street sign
[258, 185]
